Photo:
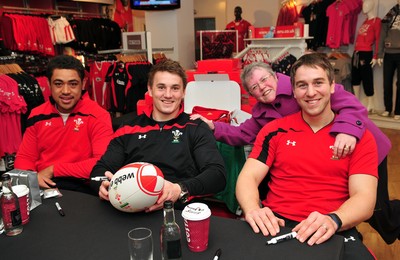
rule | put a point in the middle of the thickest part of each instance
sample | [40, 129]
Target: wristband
[336, 219]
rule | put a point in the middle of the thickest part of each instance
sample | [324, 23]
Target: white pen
[99, 178]
[285, 237]
[60, 210]
[217, 254]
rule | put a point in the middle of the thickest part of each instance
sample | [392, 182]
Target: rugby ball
[135, 187]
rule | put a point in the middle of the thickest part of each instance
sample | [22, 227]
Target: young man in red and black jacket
[185, 150]
[66, 135]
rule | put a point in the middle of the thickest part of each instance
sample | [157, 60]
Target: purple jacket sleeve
[351, 114]
[240, 135]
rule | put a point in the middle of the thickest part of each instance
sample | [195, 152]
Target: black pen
[217, 254]
[60, 210]
[282, 238]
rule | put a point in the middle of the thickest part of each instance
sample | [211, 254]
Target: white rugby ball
[136, 186]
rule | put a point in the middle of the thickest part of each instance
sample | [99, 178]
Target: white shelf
[285, 39]
[276, 47]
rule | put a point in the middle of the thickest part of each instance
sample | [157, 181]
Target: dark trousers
[361, 71]
[391, 63]
[386, 217]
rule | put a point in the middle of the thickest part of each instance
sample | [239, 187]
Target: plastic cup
[196, 217]
[22, 192]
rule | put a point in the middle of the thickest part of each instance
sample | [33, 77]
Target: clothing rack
[124, 51]
[47, 11]
[7, 59]
[10, 68]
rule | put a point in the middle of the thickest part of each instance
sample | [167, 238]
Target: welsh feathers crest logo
[78, 123]
[176, 135]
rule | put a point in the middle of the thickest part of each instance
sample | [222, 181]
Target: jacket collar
[284, 85]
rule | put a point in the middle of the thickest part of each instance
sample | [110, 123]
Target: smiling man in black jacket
[185, 150]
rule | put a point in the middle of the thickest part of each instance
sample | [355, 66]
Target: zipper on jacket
[161, 125]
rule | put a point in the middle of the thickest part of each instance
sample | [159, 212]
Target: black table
[93, 229]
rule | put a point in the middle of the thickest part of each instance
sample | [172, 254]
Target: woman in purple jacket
[274, 94]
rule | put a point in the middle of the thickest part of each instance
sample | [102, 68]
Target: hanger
[338, 55]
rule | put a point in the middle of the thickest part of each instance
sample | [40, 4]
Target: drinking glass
[140, 244]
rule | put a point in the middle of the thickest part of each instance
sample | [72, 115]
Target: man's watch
[184, 195]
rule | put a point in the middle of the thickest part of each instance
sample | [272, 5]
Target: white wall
[211, 9]
[139, 23]
[186, 52]
[260, 13]
[174, 29]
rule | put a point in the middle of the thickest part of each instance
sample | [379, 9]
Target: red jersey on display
[304, 178]
[368, 35]
[98, 87]
[117, 78]
[338, 14]
[288, 14]
[242, 27]
[44, 86]
[123, 16]
[12, 105]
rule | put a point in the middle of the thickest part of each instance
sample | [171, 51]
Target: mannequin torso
[241, 25]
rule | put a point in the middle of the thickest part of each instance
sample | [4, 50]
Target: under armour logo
[293, 143]
[47, 124]
[142, 136]
[348, 239]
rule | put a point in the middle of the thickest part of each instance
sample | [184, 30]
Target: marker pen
[217, 254]
[99, 178]
[60, 210]
[282, 238]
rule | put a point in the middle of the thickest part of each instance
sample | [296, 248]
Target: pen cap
[196, 217]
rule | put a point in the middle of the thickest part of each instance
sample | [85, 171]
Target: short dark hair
[65, 62]
[170, 66]
[313, 60]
